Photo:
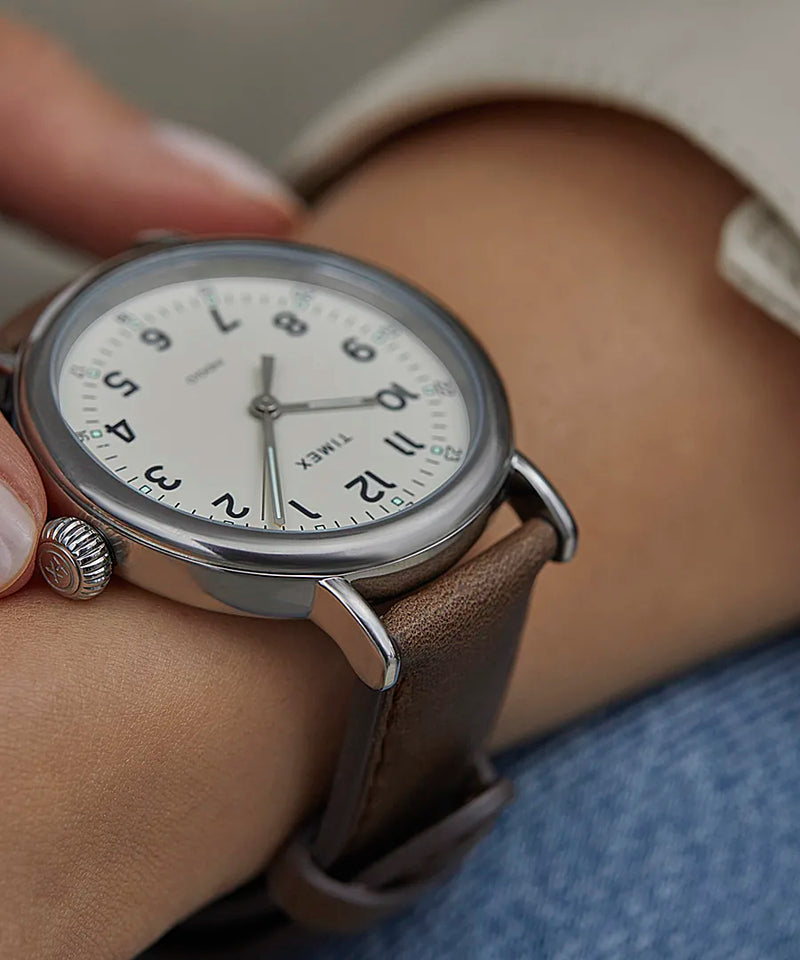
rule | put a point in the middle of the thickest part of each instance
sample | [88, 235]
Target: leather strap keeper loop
[315, 899]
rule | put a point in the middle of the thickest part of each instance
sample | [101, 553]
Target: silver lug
[74, 558]
[532, 495]
[7, 361]
[347, 618]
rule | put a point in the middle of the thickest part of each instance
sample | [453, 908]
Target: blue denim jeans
[665, 828]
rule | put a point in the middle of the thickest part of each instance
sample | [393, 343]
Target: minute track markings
[224, 325]
[159, 407]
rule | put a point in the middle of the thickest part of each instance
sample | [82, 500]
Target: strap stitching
[387, 717]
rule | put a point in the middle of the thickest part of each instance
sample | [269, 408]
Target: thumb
[84, 166]
[22, 511]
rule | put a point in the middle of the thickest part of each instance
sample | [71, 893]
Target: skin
[579, 246]
[56, 176]
[662, 404]
[55, 171]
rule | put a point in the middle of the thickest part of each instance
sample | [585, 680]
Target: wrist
[166, 754]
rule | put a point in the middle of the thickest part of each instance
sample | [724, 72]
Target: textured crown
[74, 558]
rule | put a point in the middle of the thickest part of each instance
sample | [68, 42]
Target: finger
[81, 164]
[22, 511]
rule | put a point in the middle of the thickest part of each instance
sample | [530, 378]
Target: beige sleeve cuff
[724, 75]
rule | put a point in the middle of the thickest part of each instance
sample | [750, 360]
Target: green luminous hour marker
[145, 489]
[397, 501]
[437, 451]
[92, 372]
[96, 434]
[130, 321]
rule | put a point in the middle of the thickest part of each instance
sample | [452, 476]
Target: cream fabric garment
[724, 73]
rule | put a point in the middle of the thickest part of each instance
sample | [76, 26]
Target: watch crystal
[264, 402]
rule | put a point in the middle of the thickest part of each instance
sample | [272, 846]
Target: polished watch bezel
[404, 540]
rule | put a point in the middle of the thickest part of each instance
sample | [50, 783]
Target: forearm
[579, 246]
[155, 755]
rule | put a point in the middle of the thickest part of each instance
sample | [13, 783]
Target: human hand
[87, 168]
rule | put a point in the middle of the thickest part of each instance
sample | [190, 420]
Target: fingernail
[17, 536]
[229, 163]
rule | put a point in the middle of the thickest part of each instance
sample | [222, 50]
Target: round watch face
[264, 402]
[236, 400]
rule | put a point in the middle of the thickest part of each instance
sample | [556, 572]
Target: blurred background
[253, 72]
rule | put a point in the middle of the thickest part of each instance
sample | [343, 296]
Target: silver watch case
[325, 575]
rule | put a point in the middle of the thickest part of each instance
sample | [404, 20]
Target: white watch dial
[265, 403]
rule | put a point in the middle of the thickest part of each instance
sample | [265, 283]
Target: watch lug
[7, 361]
[532, 495]
[347, 618]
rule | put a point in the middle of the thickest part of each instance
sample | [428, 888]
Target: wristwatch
[274, 430]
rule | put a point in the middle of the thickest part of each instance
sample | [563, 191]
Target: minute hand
[337, 403]
[263, 408]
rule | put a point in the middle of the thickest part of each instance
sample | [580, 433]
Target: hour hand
[335, 403]
[267, 367]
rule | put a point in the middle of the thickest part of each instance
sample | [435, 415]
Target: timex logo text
[318, 454]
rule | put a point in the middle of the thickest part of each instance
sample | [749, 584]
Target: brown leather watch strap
[413, 790]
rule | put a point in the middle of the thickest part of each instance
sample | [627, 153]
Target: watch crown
[74, 558]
